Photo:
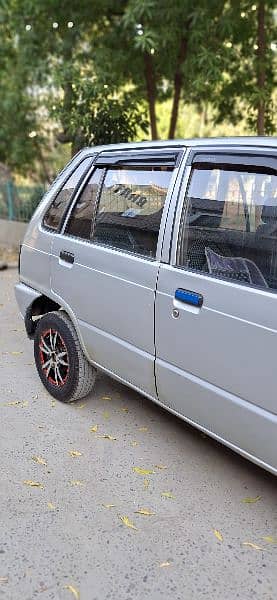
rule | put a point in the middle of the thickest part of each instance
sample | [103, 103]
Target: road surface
[70, 539]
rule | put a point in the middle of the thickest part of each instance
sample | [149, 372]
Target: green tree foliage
[79, 72]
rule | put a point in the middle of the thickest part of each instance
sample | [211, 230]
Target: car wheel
[61, 364]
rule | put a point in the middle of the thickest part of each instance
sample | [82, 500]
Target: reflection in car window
[56, 211]
[130, 208]
[231, 225]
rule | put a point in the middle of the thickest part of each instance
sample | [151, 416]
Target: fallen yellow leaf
[53, 403]
[106, 414]
[39, 460]
[168, 495]
[218, 535]
[134, 443]
[94, 429]
[146, 483]
[16, 352]
[15, 403]
[128, 523]
[73, 590]
[125, 409]
[74, 453]
[143, 471]
[107, 437]
[160, 467]
[165, 564]
[270, 539]
[51, 506]
[143, 428]
[251, 500]
[108, 505]
[255, 546]
[81, 405]
[24, 404]
[145, 511]
[76, 482]
[33, 483]
[106, 398]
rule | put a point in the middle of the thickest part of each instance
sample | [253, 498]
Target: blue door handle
[189, 297]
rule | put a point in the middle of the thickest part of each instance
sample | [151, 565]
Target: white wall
[11, 233]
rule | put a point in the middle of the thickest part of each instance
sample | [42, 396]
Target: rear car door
[216, 307]
[105, 263]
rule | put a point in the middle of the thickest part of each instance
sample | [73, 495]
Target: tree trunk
[178, 81]
[261, 67]
[151, 93]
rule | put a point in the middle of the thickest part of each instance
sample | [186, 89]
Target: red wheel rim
[53, 357]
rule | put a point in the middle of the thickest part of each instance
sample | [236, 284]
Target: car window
[80, 220]
[56, 211]
[130, 208]
[230, 228]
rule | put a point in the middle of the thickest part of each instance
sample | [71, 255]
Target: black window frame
[255, 163]
[72, 198]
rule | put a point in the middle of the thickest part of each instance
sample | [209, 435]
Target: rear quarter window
[56, 211]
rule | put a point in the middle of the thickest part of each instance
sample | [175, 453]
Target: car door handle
[67, 257]
[189, 297]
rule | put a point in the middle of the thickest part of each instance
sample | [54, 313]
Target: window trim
[59, 229]
[183, 206]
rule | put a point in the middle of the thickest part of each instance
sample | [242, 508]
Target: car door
[105, 265]
[216, 306]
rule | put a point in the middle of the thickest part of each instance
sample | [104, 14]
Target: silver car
[157, 264]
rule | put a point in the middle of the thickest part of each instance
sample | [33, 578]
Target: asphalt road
[59, 541]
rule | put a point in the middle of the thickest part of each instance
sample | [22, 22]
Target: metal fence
[18, 203]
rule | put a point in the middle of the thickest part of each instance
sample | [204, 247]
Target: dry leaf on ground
[16, 352]
[74, 453]
[165, 564]
[143, 429]
[128, 523]
[143, 471]
[81, 405]
[125, 409]
[94, 429]
[270, 539]
[76, 482]
[73, 590]
[134, 444]
[108, 505]
[255, 546]
[106, 398]
[33, 483]
[218, 535]
[251, 500]
[168, 495]
[146, 483]
[145, 511]
[51, 506]
[161, 467]
[107, 437]
[106, 414]
[39, 460]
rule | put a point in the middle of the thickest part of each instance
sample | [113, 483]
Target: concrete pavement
[59, 541]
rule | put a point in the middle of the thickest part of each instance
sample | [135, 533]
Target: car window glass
[230, 230]
[130, 208]
[80, 220]
[55, 212]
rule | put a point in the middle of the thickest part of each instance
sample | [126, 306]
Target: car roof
[249, 141]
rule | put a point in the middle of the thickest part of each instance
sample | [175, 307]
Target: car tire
[61, 364]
